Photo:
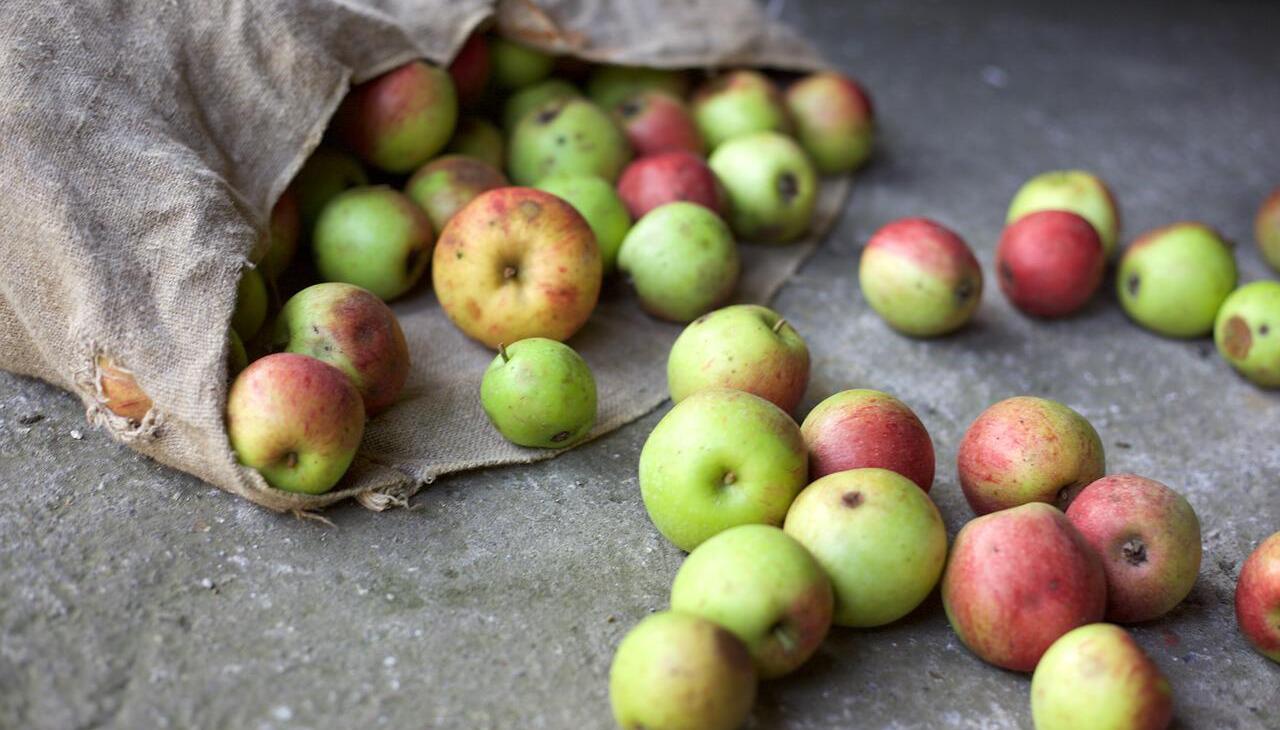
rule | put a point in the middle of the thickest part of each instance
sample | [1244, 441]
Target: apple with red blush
[668, 177]
[860, 428]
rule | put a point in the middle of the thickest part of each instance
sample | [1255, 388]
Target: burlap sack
[143, 144]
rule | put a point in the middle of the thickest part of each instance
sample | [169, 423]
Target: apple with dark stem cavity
[771, 186]
[834, 121]
[539, 393]
[400, 119]
[529, 98]
[1050, 263]
[1258, 598]
[566, 136]
[737, 103]
[1174, 279]
[1074, 191]
[655, 121]
[667, 177]
[445, 185]
[376, 238]
[857, 429]
[682, 260]
[920, 277]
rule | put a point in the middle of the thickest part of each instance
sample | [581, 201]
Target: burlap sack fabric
[143, 143]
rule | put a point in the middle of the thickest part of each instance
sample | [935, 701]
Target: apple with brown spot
[1258, 598]
[400, 119]
[446, 184]
[860, 428]
[655, 121]
[1050, 263]
[668, 177]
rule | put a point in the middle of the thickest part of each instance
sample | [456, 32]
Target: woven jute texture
[142, 145]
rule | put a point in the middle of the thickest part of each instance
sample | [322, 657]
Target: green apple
[743, 346]
[1173, 280]
[481, 139]
[679, 672]
[720, 458]
[920, 277]
[326, 173]
[737, 103]
[1097, 677]
[879, 537]
[609, 85]
[1074, 191]
[771, 184]
[515, 66]
[375, 238]
[400, 119]
[600, 205]
[251, 304]
[682, 260]
[1247, 332]
[529, 98]
[446, 184]
[762, 585]
[237, 357]
[834, 120]
[539, 392]
[567, 136]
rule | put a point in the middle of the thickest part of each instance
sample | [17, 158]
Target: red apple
[119, 392]
[666, 178]
[856, 429]
[1258, 598]
[400, 119]
[470, 69]
[1019, 579]
[655, 121]
[1050, 263]
[283, 231]
[1149, 540]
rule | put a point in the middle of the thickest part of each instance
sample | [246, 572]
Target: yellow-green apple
[834, 120]
[251, 304]
[1098, 677]
[600, 205]
[920, 277]
[120, 392]
[1027, 449]
[351, 329]
[1266, 228]
[878, 536]
[295, 419]
[1247, 332]
[514, 66]
[529, 98]
[857, 429]
[762, 585]
[566, 136]
[675, 671]
[718, 459]
[1019, 579]
[655, 121]
[667, 177]
[470, 69]
[446, 184]
[1174, 279]
[771, 186]
[373, 237]
[737, 103]
[400, 119]
[742, 346]
[1258, 598]
[1148, 538]
[609, 84]
[283, 230]
[237, 356]
[517, 263]
[481, 139]
[325, 174]
[1075, 191]
[682, 260]
[1050, 263]
[539, 392]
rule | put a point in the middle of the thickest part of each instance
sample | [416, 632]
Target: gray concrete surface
[132, 596]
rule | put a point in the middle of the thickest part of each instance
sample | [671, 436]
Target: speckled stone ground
[132, 596]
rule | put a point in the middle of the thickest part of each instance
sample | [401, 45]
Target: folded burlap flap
[143, 145]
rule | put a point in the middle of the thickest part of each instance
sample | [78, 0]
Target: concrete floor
[132, 596]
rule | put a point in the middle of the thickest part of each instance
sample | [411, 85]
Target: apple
[514, 66]
[351, 329]
[446, 184]
[608, 84]
[654, 121]
[667, 177]
[718, 459]
[325, 174]
[834, 120]
[1173, 280]
[745, 347]
[1018, 580]
[771, 186]
[524, 101]
[682, 260]
[878, 536]
[679, 672]
[283, 230]
[1247, 332]
[762, 585]
[237, 357]
[600, 205]
[119, 392]
[1027, 449]
[1074, 191]
[470, 69]
[920, 277]
[566, 136]
[856, 429]
[736, 103]
[251, 304]
[539, 392]
[373, 237]
[1050, 263]
[400, 119]
[517, 263]
[1258, 598]
[481, 139]
[1097, 676]
[1266, 228]
[296, 420]
[1149, 540]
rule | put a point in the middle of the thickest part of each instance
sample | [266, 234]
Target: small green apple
[251, 304]
[539, 392]
[737, 103]
[481, 139]
[326, 173]
[1247, 332]
[720, 458]
[567, 136]
[600, 205]
[679, 672]
[609, 85]
[446, 184]
[375, 238]
[762, 585]
[237, 356]
[1074, 191]
[771, 184]
[682, 260]
[531, 97]
[879, 537]
[1174, 279]
[515, 66]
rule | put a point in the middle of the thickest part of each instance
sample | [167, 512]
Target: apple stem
[502, 349]
[777, 326]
